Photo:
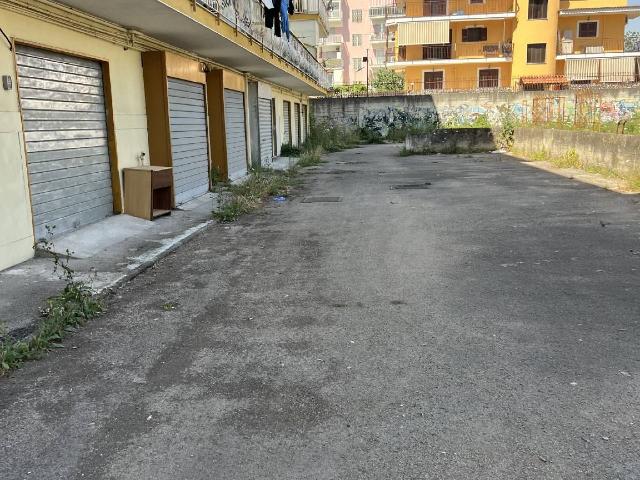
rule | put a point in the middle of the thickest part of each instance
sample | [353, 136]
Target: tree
[632, 41]
[387, 80]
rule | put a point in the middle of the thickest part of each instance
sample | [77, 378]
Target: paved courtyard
[423, 317]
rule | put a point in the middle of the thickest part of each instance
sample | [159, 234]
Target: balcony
[441, 8]
[312, 7]
[458, 53]
[333, 12]
[594, 46]
[333, 40]
[380, 37]
[247, 18]
[234, 37]
[334, 63]
[379, 9]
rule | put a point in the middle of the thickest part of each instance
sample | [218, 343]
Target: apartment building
[534, 44]
[90, 88]
[358, 30]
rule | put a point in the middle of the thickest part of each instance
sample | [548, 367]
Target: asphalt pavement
[422, 317]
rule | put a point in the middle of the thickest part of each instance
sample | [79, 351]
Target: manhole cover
[411, 186]
[321, 199]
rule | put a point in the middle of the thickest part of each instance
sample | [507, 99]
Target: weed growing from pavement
[262, 183]
[63, 314]
[243, 198]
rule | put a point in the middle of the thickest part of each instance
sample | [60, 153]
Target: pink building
[357, 29]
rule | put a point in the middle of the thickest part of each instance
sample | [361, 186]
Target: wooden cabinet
[148, 191]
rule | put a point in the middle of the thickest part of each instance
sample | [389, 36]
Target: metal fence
[437, 82]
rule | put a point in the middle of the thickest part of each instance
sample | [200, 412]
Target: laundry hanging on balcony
[423, 33]
[276, 16]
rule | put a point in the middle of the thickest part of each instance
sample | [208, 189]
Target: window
[356, 39]
[476, 2]
[538, 9]
[536, 52]
[434, 8]
[357, 64]
[488, 78]
[433, 80]
[356, 16]
[588, 29]
[474, 34]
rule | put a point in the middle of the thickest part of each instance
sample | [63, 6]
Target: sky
[634, 25]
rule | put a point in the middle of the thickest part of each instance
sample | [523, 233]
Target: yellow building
[538, 44]
[90, 87]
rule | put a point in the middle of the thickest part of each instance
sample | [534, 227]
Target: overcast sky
[634, 25]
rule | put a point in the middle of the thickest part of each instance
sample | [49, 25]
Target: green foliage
[63, 314]
[631, 41]
[505, 134]
[288, 150]
[310, 157]
[353, 89]
[331, 138]
[387, 80]
[243, 198]
[479, 121]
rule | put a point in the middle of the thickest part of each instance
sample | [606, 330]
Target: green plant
[507, 128]
[353, 89]
[387, 80]
[243, 198]
[330, 137]
[288, 150]
[63, 314]
[310, 157]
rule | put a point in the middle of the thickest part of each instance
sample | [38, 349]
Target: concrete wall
[617, 152]
[452, 140]
[16, 237]
[463, 107]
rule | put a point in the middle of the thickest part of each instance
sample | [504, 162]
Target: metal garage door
[266, 137]
[287, 123]
[305, 124]
[234, 119]
[296, 111]
[189, 142]
[62, 101]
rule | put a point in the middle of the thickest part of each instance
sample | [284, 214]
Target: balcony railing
[333, 39]
[334, 12]
[593, 46]
[460, 50]
[386, 11]
[334, 63]
[314, 7]
[380, 37]
[246, 16]
[438, 8]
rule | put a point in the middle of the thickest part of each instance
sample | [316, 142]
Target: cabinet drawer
[161, 179]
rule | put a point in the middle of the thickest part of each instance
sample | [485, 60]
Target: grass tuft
[63, 314]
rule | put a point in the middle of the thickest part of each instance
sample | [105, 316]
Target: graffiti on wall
[382, 114]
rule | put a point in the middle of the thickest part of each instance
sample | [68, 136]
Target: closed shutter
[63, 107]
[189, 142]
[265, 121]
[305, 124]
[234, 118]
[287, 123]
[296, 110]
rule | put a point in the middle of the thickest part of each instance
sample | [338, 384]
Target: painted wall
[129, 114]
[461, 76]
[461, 107]
[616, 152]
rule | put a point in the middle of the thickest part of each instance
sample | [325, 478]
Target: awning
[545, 80]
[618, 69]
[423, 33]
[582, 69]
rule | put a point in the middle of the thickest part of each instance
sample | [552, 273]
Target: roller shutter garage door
[287, 123]
[189, 142]
[234, 119]
[63, 108]
[296, 109]
[305, 124]
[266, 136]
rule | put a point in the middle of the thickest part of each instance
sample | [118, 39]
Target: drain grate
[411, 186]
[336, 172]
[321, 199]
